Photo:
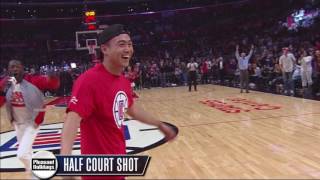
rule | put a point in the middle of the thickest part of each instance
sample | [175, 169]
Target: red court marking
[49, 135]
[51, 138]
[51, 141]
[267, 107]
[228, 108]
[54, 141]
[59, 100]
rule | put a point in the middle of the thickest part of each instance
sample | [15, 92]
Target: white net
[92, 49]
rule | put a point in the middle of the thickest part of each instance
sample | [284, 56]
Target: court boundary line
[256, 119]
[234, 93]
[261, 92]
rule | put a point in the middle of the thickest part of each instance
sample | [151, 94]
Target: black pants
[221, 76]
[192, 79]
[316, 84]
[204, 78]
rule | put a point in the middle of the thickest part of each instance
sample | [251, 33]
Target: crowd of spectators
[163, 47]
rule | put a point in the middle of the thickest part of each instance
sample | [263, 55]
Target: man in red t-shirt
[100, 98]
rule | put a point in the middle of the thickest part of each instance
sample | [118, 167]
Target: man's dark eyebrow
[124, 41]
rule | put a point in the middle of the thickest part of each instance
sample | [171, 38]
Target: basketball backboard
[86, 38]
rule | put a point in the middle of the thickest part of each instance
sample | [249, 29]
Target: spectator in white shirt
[306, 69]
[287, 63]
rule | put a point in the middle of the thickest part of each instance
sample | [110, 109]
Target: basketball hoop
[93, 53]
[92, 49]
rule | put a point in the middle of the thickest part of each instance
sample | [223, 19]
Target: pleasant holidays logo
[139, 137]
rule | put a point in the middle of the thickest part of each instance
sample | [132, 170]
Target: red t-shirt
[131, 76]
[43, 82]
[204, 67]
[100, 98]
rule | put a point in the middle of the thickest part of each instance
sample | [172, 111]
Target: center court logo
[139, 137]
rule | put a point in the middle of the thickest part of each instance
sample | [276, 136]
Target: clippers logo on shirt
[121, 108]
[120, 104]
[17, 99]
[73, 100]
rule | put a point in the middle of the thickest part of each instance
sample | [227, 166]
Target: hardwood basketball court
[225, 134]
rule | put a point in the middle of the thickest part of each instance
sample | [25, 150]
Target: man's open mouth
[126, 57]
